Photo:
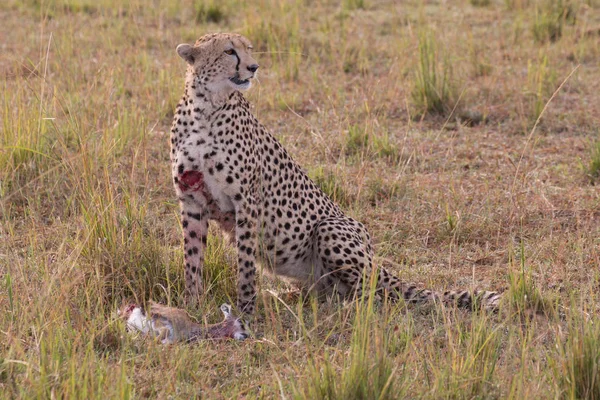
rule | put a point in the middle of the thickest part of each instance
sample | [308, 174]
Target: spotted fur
[227, 167]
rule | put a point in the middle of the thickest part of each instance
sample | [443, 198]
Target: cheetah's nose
[252, 68]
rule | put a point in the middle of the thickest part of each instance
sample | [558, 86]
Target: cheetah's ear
[187, 52]
[226, 309]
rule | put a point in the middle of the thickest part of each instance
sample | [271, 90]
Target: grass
[366, 373]
[523, 297]
[517, 4]
[542, 80]
[357, 141]
[550, 18]
[329, 183]
[350, 5]
[433, 91]
[577, 364]
[480, 3]
[465, 367]
[594, 164]
[276, 30]
[360, 143]
[207, 12]
[88, 215]
[384, 192]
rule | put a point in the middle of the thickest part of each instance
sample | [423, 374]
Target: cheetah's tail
[394, 288]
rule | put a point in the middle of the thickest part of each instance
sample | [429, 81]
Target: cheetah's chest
[220, 148]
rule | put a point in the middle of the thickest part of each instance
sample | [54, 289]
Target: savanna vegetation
[464, 134]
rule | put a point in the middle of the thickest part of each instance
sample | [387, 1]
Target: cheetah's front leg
[245, 231]
[194, 219]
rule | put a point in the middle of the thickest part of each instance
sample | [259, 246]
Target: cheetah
[227, 167]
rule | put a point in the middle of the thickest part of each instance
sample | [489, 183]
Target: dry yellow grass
[88, 214]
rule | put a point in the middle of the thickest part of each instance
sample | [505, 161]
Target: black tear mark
[237, 66]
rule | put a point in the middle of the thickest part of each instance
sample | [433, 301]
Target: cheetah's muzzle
[236, 79]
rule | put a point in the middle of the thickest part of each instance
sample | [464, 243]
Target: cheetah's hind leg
[343, 248]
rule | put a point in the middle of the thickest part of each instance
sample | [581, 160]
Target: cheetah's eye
[230, 52]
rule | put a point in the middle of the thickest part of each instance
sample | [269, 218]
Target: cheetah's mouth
[241, 83]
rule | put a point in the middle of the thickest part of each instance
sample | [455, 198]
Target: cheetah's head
[221, 61]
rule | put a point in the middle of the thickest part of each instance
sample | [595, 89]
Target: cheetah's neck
[199, 100]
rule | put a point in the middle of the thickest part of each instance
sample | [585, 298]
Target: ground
[419, 118]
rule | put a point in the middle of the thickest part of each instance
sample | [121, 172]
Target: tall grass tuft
[465, 368]
[127, 257]
[361, 141]
[523, 297]
[329, 183]
[384, 148]
[357, 140]
[433, 91]
[349, 5]
[576, 367]
[479, 60]
[209, 11]
[380, 190]
[594, 167]
[550, 18]
[540, 79]
[279, 38]
[367, 370]
[516, 4]
[26, 138]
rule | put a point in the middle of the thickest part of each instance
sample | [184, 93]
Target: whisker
[280, 52]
